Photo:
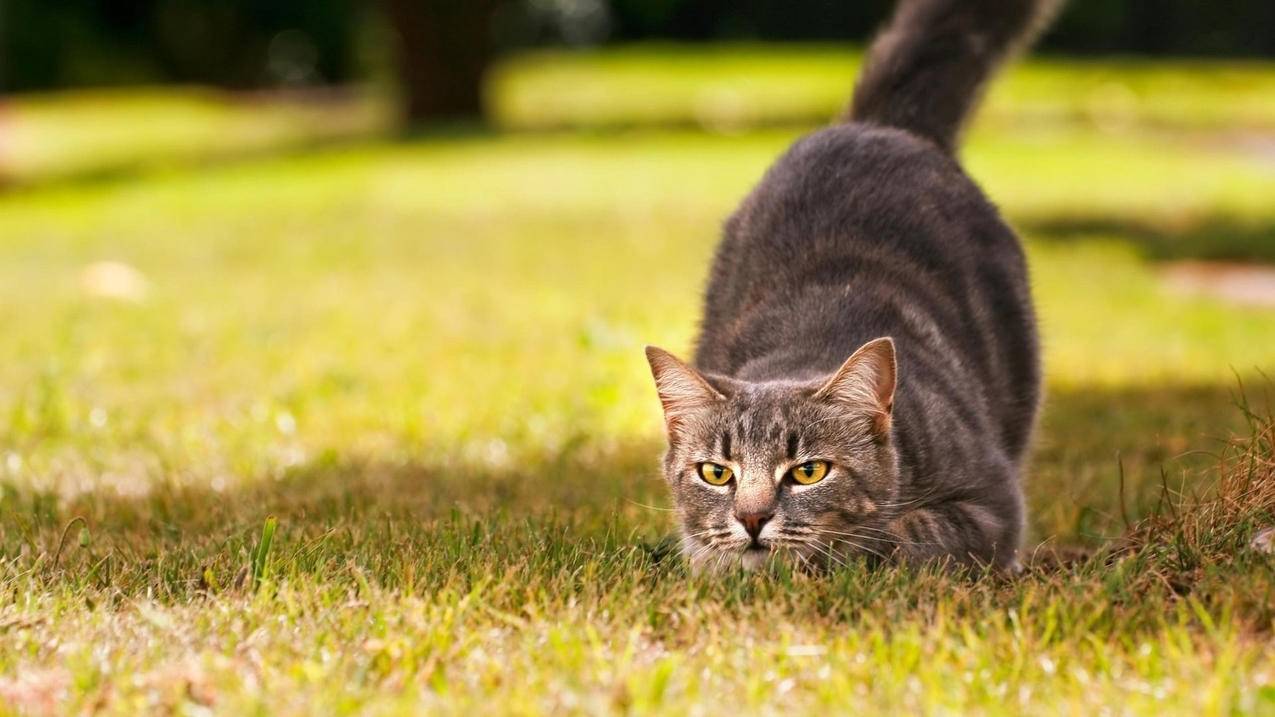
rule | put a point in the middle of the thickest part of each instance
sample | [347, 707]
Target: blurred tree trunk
[443, 49]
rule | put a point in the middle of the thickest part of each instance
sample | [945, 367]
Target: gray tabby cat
[866, 240]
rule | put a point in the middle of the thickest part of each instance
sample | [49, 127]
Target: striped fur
[863, 230]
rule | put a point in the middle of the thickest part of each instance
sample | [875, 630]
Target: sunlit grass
[424, 359]
[734, 86]
[722, 88]
[103, 133]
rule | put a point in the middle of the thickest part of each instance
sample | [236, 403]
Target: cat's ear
[682, 389]
[866, 381]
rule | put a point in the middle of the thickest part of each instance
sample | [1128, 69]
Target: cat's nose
[754, 520]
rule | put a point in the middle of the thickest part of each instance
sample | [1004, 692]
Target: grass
[737, 86]
[728, 88]
[101, 134]
[369, 430]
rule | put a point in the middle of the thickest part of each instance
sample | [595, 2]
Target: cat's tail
[926, 69]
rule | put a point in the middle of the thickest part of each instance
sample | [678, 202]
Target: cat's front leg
[963, 532]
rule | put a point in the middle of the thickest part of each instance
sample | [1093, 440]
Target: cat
[867, 375]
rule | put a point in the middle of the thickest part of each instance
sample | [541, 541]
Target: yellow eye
[714, 474]
[809, 472]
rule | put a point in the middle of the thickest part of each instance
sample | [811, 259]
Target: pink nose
[754, 521]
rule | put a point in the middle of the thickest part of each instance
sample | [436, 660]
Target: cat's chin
[703, 561]
[753, 558]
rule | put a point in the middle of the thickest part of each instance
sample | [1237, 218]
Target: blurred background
[384, 270]
[341, 68]
[436, 51]
[335, 241]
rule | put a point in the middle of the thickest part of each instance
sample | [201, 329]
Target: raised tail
[926, 69]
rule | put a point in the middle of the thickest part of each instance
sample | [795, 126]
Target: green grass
[730, 87]
[422, 361]
[726, 88]
[105, 133]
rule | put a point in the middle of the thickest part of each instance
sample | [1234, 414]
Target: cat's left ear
[867, 381]
[683, 390]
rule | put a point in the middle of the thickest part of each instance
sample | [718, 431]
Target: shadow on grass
[340, 510]
[1216, 238]
[1090, 442]
[118, 172]
[126, 171]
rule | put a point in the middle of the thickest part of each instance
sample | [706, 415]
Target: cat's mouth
[750, 555]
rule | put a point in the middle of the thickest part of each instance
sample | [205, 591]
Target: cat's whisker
[895, 540]
[922, 498]
[871, 529]
[900, 504]
[700, 551]
[885, 536]
[717, 532]
[827, 552]
[854, 538]
[816, 548]
[930, 492]
[651, 507]
[839, 561]
[858, 546]
[805, 559]
[717, 565]
[694, 554]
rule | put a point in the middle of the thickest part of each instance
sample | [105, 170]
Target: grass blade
[261, 556]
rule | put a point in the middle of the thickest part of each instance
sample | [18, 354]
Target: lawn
[423, 359]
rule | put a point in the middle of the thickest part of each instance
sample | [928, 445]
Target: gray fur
[927, 68]
[864, 230]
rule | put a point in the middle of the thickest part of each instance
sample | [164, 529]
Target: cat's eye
[809, 472]
[714, 474]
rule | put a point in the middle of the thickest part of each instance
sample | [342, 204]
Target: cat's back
[860, 231]
[859, 189]
[856, 205]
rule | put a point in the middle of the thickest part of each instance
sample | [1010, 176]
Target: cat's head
[758, 470]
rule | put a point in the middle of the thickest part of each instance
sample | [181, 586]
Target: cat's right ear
[683, 390]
